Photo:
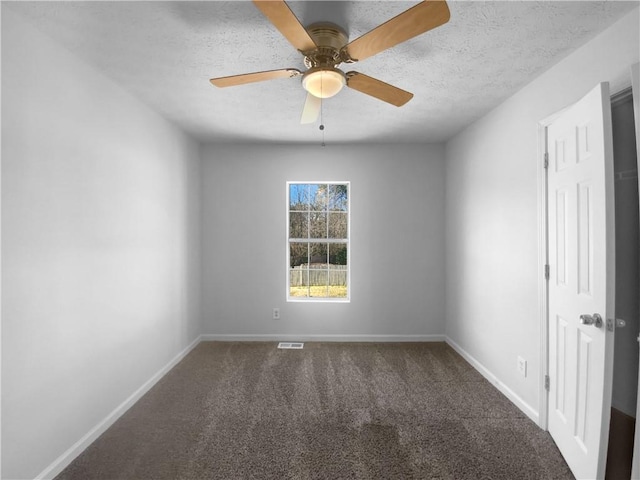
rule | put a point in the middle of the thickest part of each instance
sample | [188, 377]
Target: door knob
[595, 320]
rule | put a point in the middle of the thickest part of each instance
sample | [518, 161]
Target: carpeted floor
[330, 411]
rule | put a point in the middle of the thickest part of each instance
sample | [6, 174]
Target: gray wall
[493, 262]
[100, 247]
[397, 240]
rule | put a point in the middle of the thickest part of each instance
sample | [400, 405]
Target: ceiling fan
[325, 46]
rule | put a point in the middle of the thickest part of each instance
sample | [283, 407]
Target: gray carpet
[330, 411]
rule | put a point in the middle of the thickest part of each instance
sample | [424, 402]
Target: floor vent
[289, 345]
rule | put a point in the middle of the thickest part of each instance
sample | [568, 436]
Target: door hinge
[547, 382]
[546, 159]
[546, 272]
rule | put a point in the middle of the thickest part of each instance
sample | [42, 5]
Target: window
[318, 241]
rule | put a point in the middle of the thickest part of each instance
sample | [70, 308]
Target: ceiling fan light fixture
[323, 82]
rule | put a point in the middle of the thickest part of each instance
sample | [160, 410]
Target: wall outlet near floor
[522, 366]
[276, 314]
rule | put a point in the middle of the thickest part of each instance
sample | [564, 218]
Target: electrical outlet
[522, 366]
[276, 314]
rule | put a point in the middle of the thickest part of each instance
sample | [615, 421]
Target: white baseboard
[320, 338]
[67, 457]
[527, 409]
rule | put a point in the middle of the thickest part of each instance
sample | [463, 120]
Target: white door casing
[581, 252]
[635, 86]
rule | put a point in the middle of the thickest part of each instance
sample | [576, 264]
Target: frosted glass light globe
[324, 82]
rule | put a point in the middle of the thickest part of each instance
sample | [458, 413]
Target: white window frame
[346, 241]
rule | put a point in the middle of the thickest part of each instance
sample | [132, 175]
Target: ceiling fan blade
[378, 89]
[279, 13]
[311, 109]
[254, 77]
[419, 19]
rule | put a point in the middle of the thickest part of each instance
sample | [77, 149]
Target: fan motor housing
[330, 39]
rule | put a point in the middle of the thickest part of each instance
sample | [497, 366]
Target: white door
[581, 281]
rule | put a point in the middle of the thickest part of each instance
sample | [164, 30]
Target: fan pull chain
[322, 125]
[321, 108]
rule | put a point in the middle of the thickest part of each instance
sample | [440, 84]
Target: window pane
[318, 225]
[298, 224]
[338, 197]
[337, 291]
[338, 270]
[318, 283]
[338, 253]
[337, 225]
[319, 194]
[298, 254]
[299, 281]
[318, 254]
[298, 197]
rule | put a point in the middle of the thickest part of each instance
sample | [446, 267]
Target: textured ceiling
[165, 53]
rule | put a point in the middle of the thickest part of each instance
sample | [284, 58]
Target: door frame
[635, 91]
